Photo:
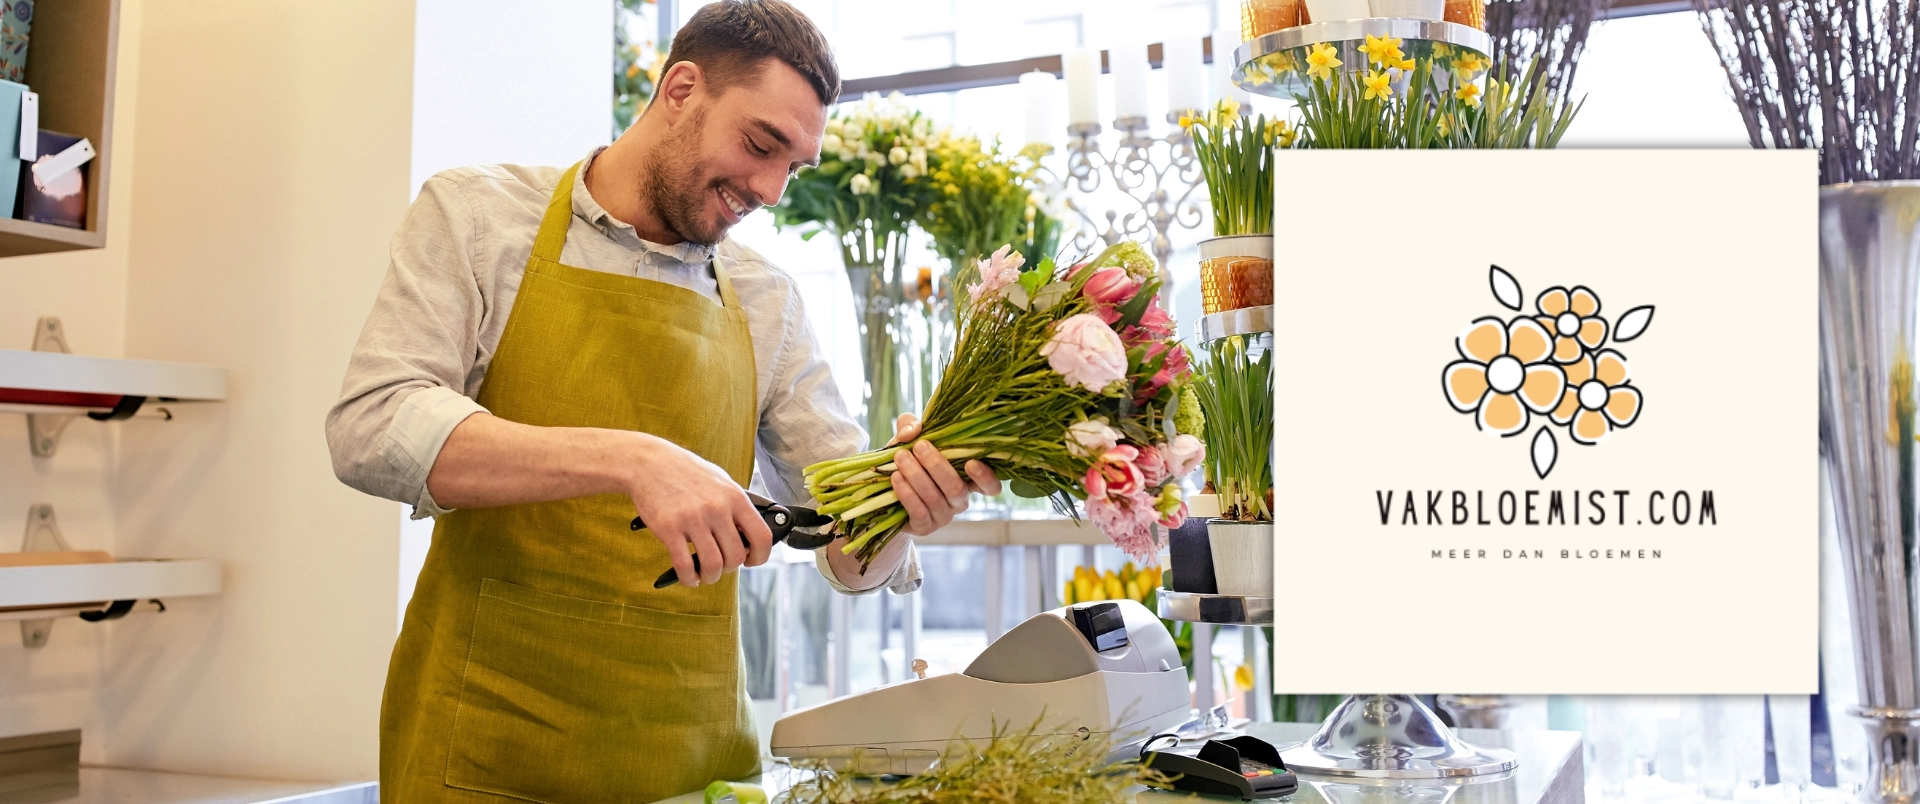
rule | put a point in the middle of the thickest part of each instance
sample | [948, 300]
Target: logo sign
[1546, 422]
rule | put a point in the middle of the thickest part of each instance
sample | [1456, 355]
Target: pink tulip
[1111, 286]
[1155, 320]
[1086, 352]
[1114, 474]
[1153, 467]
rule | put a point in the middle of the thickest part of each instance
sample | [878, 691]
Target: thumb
[905, 428]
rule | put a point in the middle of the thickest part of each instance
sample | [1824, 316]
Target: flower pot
[1190, 558]
[1409, 9]
[1242, 557]
[1471, 13]
[1334, 10]
[1262, 17]
[1217, 256]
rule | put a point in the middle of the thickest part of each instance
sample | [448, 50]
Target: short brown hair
[730, 39]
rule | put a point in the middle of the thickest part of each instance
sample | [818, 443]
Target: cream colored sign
[1546, 422]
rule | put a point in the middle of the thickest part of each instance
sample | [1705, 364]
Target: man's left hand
[928, 487]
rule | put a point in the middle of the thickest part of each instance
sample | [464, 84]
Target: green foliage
[1236, 159]
[1236, 393]
[636, 66]
[1441, 106]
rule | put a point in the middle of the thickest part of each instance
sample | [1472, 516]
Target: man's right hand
[685, 500]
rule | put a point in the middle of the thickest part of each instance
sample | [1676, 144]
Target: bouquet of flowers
[1061, 379]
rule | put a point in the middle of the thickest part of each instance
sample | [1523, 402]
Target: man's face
[732, 153]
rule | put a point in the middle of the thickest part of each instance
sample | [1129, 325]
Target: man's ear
[678, 85]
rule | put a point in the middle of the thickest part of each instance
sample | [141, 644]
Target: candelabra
[1158, 176]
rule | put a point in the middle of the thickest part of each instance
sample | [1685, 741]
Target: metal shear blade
[800, 527]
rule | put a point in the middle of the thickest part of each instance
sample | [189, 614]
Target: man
[553, 351]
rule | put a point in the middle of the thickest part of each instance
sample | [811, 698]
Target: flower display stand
[1276, 64]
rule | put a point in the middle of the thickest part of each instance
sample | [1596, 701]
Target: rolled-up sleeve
[804, 421]
[405, 383]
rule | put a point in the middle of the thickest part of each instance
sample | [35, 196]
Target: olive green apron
[536, 660]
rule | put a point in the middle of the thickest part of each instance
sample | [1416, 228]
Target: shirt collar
[590, 210]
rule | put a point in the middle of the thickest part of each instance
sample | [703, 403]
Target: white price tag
[52, 167]
[29, 126]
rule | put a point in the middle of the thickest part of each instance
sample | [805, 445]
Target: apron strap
[727, 299]
[553, 228]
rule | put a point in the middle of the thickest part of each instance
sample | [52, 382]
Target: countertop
[95, 785]
[1550, 772]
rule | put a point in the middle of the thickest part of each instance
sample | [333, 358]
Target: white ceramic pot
[1257, 246]
[1242, 557]
[1409, 9]
[1335, 10]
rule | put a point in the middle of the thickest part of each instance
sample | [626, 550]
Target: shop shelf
[1275, 64]
[1244, 321]
[56, 382]
[26, 591]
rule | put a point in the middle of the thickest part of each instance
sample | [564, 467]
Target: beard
[675, 189]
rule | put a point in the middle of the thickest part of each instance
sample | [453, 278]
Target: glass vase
[893, 327]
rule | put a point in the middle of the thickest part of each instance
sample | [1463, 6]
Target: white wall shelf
[89, 379]
[29, 590]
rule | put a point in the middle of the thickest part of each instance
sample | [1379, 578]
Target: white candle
[1038, 86]
[1129, 66]
[1224, 41]
[1082, 66]
[1181, 60]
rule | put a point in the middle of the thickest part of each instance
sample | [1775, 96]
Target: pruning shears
[800, 527]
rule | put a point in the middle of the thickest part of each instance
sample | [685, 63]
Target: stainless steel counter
[1550, 772]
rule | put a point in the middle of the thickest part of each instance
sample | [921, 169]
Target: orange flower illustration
[1505, 375]
[1598, 398]
[1574, 319]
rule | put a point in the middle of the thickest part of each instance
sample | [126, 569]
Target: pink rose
[996, 273]
[1153, 467]
[1086, 352]
[1182, 454]
[1128, 521]
[1111, 286]
[1114, 474]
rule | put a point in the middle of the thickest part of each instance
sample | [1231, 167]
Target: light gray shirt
[456, 265]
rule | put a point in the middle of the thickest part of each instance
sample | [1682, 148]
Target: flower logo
[1553, 364]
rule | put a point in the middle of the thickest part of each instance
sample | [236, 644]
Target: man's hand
[928, 488]
[684, 500]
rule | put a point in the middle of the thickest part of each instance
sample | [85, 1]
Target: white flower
[897, 156]
[835, 128]
[908, 173]
[1092, 437]
[860, 184]
[853, 131]
[830, 143]
[845, 154]
[919, 159]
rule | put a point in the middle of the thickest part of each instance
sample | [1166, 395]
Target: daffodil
[1378, 86]
[1382, 50]
[1441, 49]
[1469, 64]
[1407, 64]
[1257, 75]
[1283, 62]
[1468, 94]
[1229, 108]
[1186, 122]
[1445, 124]
[1321, 61]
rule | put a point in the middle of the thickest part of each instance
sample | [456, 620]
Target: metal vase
[1869, 336]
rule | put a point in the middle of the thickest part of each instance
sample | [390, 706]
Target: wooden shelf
[72, 585]
[70, 64]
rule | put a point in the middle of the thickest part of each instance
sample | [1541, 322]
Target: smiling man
[554, 350]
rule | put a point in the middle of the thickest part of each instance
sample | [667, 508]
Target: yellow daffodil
[1257, 75]
[1229, 108]
[1321, 61]
[1283, 62]
[1382, 50]
[1407, 64]
[1468, 94]
[1445, 124]
[1441, 49]
[1468, 65]
[1378, 86]
[1186, 122]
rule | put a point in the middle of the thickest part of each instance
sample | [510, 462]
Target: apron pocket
[567, 700]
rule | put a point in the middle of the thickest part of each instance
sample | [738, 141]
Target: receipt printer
[1107, 668]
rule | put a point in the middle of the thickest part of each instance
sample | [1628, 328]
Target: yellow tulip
[1114, 590]
[1243, 678]
[1066, 594]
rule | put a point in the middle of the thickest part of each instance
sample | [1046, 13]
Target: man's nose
[767, 186]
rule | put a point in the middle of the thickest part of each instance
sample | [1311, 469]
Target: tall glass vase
[890, 336]
[1869, 334]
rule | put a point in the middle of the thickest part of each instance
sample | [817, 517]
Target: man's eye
[757, 150]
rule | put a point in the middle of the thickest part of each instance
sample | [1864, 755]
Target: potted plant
[1235, 392]
[1236, 160]
[865, 192]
